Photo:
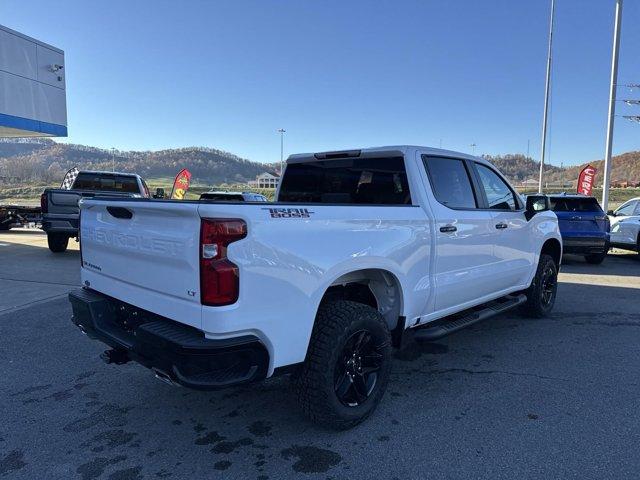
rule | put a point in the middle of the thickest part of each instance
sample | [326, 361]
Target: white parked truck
[362, 249]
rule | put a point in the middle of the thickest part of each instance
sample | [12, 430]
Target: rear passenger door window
[499, 195]
[451, 182]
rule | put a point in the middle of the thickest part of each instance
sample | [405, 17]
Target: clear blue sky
[335, 74]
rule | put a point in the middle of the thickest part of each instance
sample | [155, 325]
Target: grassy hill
[28, 165]
[517, 168]
[46, 161]
[625, 167]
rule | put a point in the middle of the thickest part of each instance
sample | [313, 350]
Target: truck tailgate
[63, 201]
[144, 253]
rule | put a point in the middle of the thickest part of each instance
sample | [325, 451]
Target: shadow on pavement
[622, 264]
[22, 231]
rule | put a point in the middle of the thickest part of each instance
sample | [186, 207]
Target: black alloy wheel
[541, 294]
[549, 285]
[347, 367]
[356, 374]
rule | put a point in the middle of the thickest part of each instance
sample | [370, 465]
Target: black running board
[464, 319]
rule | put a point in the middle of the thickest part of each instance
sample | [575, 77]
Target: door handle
[448, 229]
[501, 226]
[120, 212]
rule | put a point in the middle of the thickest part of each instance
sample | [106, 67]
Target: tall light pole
[281, 131]
[612, 106]
[547, 89]
[473, 148]
[113, 159]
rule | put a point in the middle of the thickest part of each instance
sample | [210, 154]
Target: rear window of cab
[106, 182]
[364, 181]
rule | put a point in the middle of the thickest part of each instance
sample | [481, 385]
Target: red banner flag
[586, 180]
[181, 184]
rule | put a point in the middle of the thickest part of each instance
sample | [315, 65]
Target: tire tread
[329, 332]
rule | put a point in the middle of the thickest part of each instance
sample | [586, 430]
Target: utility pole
[547, 89]
[612, 106]
[113, 159]
[281, 131]
[528, 144]
[473, 148]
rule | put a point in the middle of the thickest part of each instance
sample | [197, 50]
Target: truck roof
[568, 195]
[104, 172]
[227, 192]
[380, 151]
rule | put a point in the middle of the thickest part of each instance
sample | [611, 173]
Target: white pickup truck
[361, 249]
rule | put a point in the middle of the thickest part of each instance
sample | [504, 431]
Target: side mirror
[536, 204]
[611, 212]
[159, 193]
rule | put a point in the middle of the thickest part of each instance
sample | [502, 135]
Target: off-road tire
[57, 242]
[315, 381]
[536, 306]
[595, 258]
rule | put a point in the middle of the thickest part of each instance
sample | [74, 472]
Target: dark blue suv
[583, 225]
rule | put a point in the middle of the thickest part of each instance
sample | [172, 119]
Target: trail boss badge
[289, 212]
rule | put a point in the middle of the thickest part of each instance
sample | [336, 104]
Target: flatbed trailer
[12, 216]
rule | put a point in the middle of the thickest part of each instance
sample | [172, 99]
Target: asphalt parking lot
[509, 398]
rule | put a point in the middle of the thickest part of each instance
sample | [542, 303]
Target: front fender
[544, 227]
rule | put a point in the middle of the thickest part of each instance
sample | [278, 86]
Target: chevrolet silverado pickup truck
[60, 211]
[363, 250]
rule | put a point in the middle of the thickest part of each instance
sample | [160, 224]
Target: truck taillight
[219, 279]
[44, 206]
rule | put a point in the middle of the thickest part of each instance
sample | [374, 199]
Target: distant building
[625, 184]
[265, 180]
[529, 183]
[32, 75]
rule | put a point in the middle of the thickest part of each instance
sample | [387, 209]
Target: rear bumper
[60, 224]
[173, 350]
[585, 245]
[626, 246]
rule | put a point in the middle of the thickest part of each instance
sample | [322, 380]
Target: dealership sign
[586, 180]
